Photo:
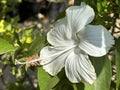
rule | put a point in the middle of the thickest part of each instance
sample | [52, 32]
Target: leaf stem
[74, 86]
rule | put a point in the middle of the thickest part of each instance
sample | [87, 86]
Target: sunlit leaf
[99, 7]
[5, 46]
[104, 3]
[103, 70]
[3, 1]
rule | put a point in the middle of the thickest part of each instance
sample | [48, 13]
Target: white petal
[79, 68]
[52, 59]
[60, 35]
[79, 16]
[96, 40]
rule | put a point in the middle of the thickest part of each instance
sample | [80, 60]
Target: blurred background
[24, 24]
[21, 21]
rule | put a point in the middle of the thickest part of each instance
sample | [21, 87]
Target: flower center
[76, 50]
[77, 36]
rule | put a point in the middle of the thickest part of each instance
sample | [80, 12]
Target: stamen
[28, 62]
[41, 59]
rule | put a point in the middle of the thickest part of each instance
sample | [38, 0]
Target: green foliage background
[14, 45]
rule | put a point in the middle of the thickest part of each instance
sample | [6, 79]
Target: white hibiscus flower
[72, 40]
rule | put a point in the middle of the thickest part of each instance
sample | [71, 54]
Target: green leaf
[47, 82]
[54, 81]
[37, 45]
[117, 2]
[64, 83]
[43, 79]
[58, 82]
[61, 15]
[99, 7]
[104, 3]
[16, 36]
[104, 73]
[5, 46]
[80, 86]
[117, 61]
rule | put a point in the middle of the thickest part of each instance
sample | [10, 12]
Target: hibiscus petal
[79, 16]
[79, 68]
[96, 40]
[53, 59]
[60, 35]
